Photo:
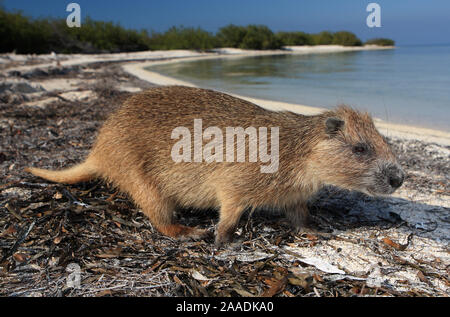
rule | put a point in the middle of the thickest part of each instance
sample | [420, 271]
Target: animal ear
[333, 125]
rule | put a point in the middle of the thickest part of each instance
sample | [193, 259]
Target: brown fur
[133, 151]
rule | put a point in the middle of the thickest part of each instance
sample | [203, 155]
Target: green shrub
[231, 35]
[322, 38]
[182, 38]
[294, 38]
[381, 42]
[259, 37]
[107, 37]
[346, 39]
[23, 35]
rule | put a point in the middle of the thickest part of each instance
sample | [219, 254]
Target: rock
[129, 89]
[78, 95]
[19, 86]
[41, 103]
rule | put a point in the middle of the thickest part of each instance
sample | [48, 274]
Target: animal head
[354, 155]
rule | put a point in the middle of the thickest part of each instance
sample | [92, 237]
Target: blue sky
[406, 21]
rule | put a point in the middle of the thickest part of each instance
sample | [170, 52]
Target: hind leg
[229, 219]
[160, 211]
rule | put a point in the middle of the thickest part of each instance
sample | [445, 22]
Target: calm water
[409, 85]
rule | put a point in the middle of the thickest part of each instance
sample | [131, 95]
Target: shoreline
[390, 129]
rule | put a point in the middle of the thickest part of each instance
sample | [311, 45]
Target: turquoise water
[408, 85]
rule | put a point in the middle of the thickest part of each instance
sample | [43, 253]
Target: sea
[406, 85]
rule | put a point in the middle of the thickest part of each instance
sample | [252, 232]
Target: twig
[27, 291]
[316, 292]
[19, 241]
[73, 200]
[124, 222]
[13, 212]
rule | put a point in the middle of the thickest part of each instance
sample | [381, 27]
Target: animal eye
[360, 148]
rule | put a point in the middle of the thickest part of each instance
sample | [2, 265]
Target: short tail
[79, 173]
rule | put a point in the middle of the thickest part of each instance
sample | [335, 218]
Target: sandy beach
[51, 107]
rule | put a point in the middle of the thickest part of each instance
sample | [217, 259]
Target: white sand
[80, 59]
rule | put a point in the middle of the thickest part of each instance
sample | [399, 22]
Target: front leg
[298, 216]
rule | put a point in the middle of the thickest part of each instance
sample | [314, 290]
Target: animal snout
[396, 176]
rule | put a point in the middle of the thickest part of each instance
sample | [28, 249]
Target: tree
[381, 42]
[231, 35]
[322, 38]
[346, 39]
[259, 37]
[294, 38]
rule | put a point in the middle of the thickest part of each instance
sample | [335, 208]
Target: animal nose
[396, 178]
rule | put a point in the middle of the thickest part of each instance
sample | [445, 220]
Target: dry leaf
[301, 279]
[111, 253]
[288, 294]
[275, 286]
[20, 257]
[422, 277]
[311, 237]
[198, 276]
[393, 244]
[57, 195]
[181, 269]
[242, 292]
[177, 280]
[318, 278]
[355, 290]
[104, 293]
[11, 229]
